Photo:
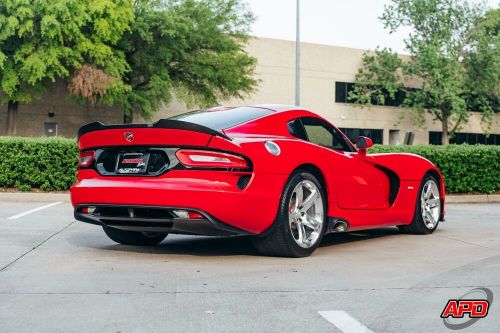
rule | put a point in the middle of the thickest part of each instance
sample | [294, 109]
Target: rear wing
[162, 124]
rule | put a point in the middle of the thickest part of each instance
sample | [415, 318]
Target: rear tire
[300, 222]
[134, 237]
[427, 210]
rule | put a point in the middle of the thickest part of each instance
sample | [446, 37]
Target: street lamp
[297, 57]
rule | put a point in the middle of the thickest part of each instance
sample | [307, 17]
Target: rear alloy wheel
[134, 237]
[428, 209]
[300, 223]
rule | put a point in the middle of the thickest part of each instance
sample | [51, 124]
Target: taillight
[86, 159]
[210, 159]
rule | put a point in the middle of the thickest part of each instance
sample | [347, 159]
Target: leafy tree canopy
[379, 77]
[482, 63]
[137, 53]
[43, 40]
[439, 41]
[193, 48]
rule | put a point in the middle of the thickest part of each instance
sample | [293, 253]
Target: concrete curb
[64, 196]
[473, 198]
[34, 197]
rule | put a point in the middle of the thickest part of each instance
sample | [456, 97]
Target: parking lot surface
[58, 275]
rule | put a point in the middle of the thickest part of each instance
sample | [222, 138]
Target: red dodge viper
[282, 174]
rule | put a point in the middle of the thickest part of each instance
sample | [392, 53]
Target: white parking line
[344, 322]
[15, 217]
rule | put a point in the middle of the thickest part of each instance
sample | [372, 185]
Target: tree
[92, 85]
[482, 62]
[439, 39]
[191, 48]
[45, 40]
[379, 78]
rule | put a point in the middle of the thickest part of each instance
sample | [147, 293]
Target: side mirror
[363, 143]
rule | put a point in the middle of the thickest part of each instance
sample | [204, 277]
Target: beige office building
[327, 73]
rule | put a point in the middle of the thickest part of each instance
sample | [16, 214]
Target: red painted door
[361, 185]
[358, 183]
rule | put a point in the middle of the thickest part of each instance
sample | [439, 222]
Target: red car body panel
[188, 189]
[359, 187]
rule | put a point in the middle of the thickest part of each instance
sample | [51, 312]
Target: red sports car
[282, 174]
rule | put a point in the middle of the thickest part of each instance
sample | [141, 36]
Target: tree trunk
[12, 109]
[445, 137]
[128, 118]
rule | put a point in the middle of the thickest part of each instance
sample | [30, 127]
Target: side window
[323, 134]
[296, 129]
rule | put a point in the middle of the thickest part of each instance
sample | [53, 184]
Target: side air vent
[243, 181]
[394, 183]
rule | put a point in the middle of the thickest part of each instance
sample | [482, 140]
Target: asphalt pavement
[59, 275]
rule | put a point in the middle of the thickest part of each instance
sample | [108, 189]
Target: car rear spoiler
[162, 123]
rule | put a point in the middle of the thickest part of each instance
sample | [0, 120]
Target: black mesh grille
[243, 181]
[127, 212]
[157, 160]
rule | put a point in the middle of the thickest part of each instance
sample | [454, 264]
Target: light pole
[297, 57]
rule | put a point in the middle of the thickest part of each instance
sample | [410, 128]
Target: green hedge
[465, 168]
[50, 164]
[45, 163]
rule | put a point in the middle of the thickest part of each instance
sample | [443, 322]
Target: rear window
[224, 118]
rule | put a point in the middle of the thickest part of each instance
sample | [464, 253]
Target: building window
[469, 138]
[342, 90]
[435, 138]
[377, 135]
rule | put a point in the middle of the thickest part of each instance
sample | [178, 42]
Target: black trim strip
[174, 163]
[162, 123]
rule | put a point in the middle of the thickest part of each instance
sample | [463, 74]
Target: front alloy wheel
[430, 204]
[428, 209]
[300, 222]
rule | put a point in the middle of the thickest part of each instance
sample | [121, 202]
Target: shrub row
[50, 164]
[466, 168]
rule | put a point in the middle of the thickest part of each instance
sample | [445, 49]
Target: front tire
[427, 210]
[300, 222]
[134, 237]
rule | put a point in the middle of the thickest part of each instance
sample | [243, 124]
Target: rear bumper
[214, 194]
[208, 225]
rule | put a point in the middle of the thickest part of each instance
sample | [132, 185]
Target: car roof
[278, 107]
[272, 107]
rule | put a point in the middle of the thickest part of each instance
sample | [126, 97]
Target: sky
[348, 23]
